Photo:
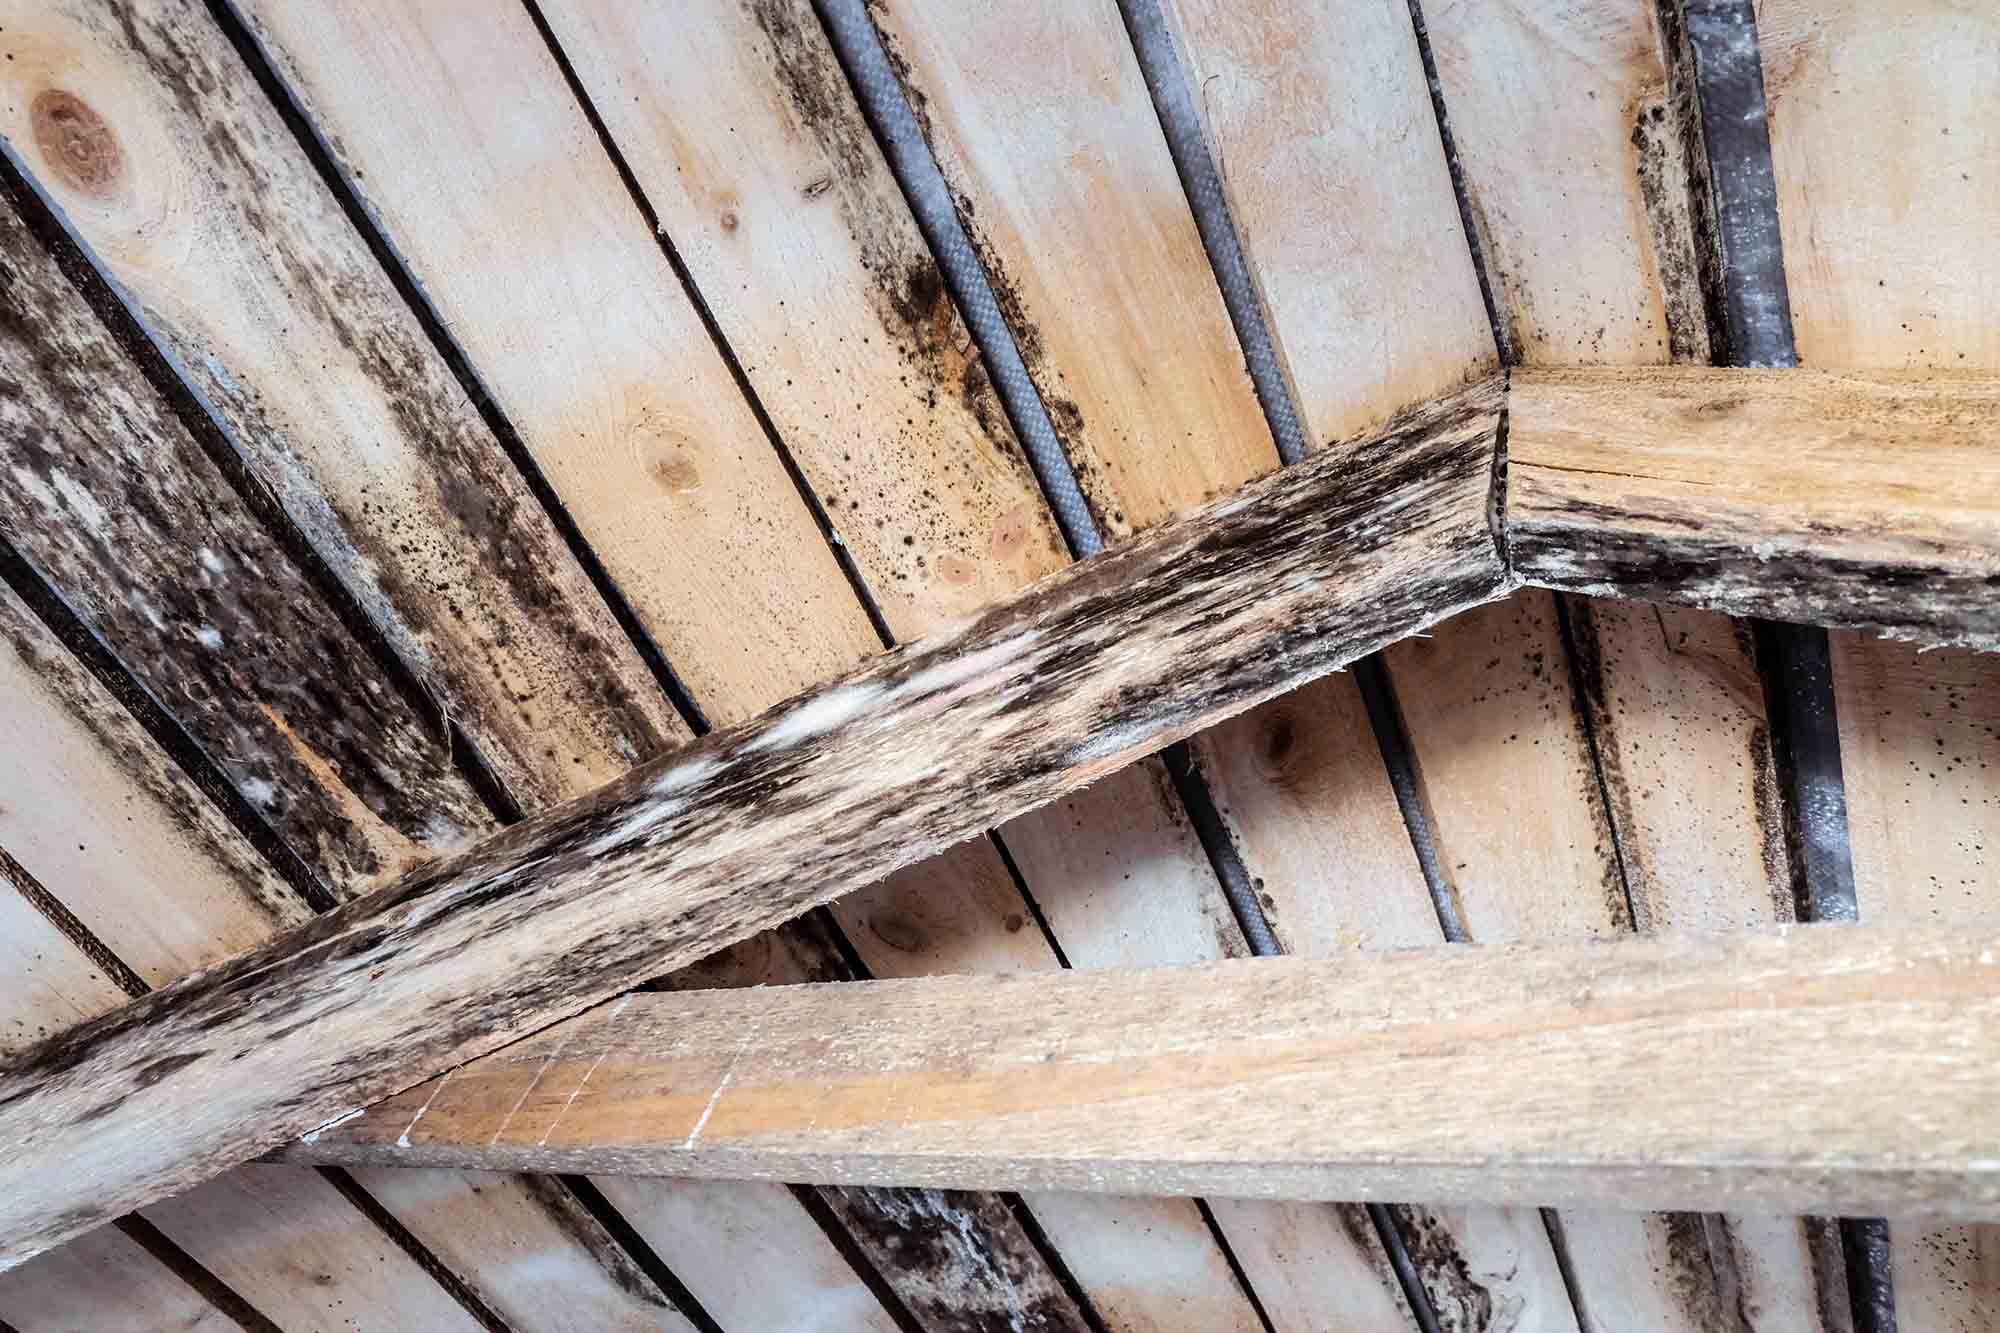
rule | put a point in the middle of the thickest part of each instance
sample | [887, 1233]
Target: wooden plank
[1080, 222]
[1920, 748]
[840, 323]
[1852, 499]
[1888, 183]
[145, 128]
[1638, 1073]
[739, 126]
[1064, 181]
[259, 1220]
[1886, 175]
[1593, 244]
[1187, 624]
[1565, 192]
[105, 1282]
[173, 888]
[589, 345]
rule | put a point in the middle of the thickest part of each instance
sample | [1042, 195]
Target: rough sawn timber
[1857, 499]
[1291, 577]
[1641, 1072]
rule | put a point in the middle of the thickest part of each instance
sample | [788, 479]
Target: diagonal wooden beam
[1852, 499]
[1659, 1072]
[1289, 578]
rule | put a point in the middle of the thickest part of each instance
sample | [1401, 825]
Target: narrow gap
[1415, 1294]
[1399, 756]
[1559, 1243]
[1586, 683]
[166, 731]
[1746, 285]
[353, 205]
[185, 1267]
[1025, 1218]
[458, 1289]
[806, 494]
[1238, 887]
[1235, 1266]
[1872, 1293]
[125, 325]
[1188, 143]
[1028, 897]
[628, 1239]
[858, 48]
[1468, 216]
[836, 1234]
[57, 914]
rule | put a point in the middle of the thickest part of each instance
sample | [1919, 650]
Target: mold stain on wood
[918, 548]
[111, 496]
[1293, 576]
[123, 741]
[430, 529]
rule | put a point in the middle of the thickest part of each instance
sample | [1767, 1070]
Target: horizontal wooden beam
[1857, 500]
[1828, 1069]
[1289, 578]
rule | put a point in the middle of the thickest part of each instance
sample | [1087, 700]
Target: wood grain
[1851, 499]
[107, 1283]
[1887, 171]
[461, 136]
[144, 127]
[1577, 135]
[741, 131]
[1056, 160]
[1649, 1072]
[1194, 621]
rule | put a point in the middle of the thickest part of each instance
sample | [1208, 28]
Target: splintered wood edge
[1642, 1073]
[1853, 500]
[1290, 577]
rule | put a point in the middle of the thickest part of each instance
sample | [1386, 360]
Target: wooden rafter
[1290, 577]
[1647, 1072]
[1848, 500]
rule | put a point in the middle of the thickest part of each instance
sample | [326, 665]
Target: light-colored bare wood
[1920, 750]
[1835, 499]
[1546, 102]
[171, 164]
[289, 1242]
[742, 132]
[1193, 621]
[104, 1282]
[1321, 124]
[584, 337]
[1888, 173]
[1648, 1076]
